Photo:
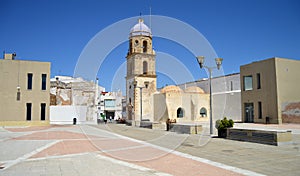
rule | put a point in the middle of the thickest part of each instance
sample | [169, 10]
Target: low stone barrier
[185, 128]
[128, 122]
[141, 124]
[146, 124]
[263, 136]
[159, 126]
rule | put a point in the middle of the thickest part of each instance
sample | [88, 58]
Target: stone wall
[291, 112]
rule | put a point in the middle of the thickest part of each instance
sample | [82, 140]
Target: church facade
[144, 102]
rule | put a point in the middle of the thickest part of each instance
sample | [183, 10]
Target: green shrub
[223, 124]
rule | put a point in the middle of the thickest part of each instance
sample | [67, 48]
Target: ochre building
[270, 91]
[25, 91]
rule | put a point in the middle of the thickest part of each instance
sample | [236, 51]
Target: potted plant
[222, 126]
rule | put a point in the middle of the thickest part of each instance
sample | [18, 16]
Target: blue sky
[240, 31]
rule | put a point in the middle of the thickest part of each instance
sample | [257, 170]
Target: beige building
[25, 91]
[188, 105]
[226, 95]
[270, 91]
[144, 102]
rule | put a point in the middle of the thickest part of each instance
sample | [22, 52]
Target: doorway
[28, 111]
[110, 114]
[43, 111]
[249, 115]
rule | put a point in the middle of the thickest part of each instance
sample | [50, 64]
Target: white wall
[65, 114]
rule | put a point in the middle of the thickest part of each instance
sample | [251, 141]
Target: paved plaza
[115, 149]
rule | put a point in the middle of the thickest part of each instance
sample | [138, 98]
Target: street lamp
[146, 83]
[200, 60]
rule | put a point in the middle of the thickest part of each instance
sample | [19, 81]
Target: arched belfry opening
[145, 67]
[145, 46]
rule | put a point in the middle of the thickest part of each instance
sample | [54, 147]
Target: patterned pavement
[86, 150]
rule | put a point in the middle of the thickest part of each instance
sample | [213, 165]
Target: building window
[43, 111]
[258, 80]
[248, 83]
[145, 46]
[145, 67]
[44, 81]
[259, 110]
[180, 113]
[109, 103]
[231, 86]
[203, 112]
[29, 81]
[18, 96]
[28, 111]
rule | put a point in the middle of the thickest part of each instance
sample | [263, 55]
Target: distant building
[74, 98]
[84, 100]
[67, 90]
[270, 91]
[25, 90]
[111, 105]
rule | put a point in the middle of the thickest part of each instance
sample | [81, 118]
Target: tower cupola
[140, 39]
[140, 29]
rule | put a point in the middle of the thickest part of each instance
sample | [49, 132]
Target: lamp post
[146, 83]
[200, 60]
[97, 100]
[57, 85]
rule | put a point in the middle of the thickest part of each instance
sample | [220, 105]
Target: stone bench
[263, 136]
[128, 122]
[146, 124]
[185, 128]
[141, 124]
[159, 126]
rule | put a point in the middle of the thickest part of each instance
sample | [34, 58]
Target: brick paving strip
[170, 161]
[122, 148]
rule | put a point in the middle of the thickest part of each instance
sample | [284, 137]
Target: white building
[226, 95]
[111, 105]
[74, 98]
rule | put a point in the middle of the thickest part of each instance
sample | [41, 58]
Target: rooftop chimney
[10, 56]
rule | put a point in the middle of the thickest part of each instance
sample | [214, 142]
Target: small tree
[222, 126]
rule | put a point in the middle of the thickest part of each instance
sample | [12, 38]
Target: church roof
[140, 29]
[194, 89]
[173, 89]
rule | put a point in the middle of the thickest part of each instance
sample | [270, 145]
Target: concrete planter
[222, 133]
